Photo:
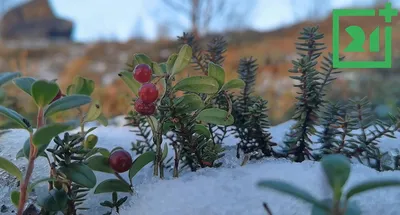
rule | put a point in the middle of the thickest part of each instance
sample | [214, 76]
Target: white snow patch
[230, 189]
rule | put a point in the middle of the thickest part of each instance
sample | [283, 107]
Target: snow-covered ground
[230, 189]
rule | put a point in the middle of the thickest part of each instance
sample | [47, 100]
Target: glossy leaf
[80, 174]
[189, 103]
[25, 84]
[198, 84]
[90, 141]
[337, 170]
[112, 185]
[202, 129]
[67, 103]
[8, 76]
[156, 68]
[153, 122]
[45, 134]
[43, 92]
[140, 162]
[171, 61]
[99, 163]
[215, 116]
[54, 200]
[183, 59]
[234, 84]
[102, 120]
[164, 67]
[16, 117]
[103, 151]
[9, 167]
[128, 79]
[81, 86]
[371, 185]
[287, 188]
[141, 59]
[217, 72]
[94, 111]
[15, 195]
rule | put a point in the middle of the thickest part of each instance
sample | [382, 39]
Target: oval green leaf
[43, 92]
[163, 67]
[45, 134]
[183, 59]
[80, 174]
[102, 120]
[141, 59]
[189, 102]
[93, 112]
[127, 78]
[216, 116]
[370, 185]
[15, 198]
[233, 84]
[140, 162]
[81, 86]
[112, 185]
[16, 117]
[25, 84]
[156, 68]
[289, 189]
[54, 200]
[9, 167]
[27, 148]
[66, 103]
[203, 130]
[99, 163]
[337, 170]
[171, 61]
[217, 72]
[8, 76]
[90, 141]
[198, 84]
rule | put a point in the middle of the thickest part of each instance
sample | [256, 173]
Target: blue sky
[115, 19]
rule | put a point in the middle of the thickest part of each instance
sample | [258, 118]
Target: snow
[230, 189]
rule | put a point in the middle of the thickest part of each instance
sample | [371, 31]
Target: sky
[117, 19]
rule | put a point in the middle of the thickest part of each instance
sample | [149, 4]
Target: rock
[35, 19]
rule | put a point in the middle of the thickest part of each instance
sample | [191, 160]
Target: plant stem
[32, 156]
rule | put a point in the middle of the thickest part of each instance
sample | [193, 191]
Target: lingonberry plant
[71, 159]
[188, 115]
[337, 170]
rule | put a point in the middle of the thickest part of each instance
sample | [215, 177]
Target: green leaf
[55, 200]
[34, 184]
[164, 152]
[15, 195]
[16, 117]
[25, 84]
[8, 76]
[103, 151]
[127, 78]
[291, 190]
[189, 103]
[352, 208]
[121, 201]
[45, 134]
[27, 148]
[140, 162]
[20, 154]
[99, 163]
[171, 61]
[370, 185]
[337, 169]
[164, 68]
[102, 120]
[43, 92]
[9, 167]
[156, 68]
[66, 103]
[112, 185]
[233, 84]
[215, 116]
[80, 174]
[217, 72]
[183, 59]
[90, 141]
[153, 122]
[81, 86]
[202, 129]
[93, 112]
[141, 59]
[198, 84]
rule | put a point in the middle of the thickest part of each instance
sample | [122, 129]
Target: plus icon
[388, 12]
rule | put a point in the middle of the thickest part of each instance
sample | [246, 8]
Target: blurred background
[96, 38]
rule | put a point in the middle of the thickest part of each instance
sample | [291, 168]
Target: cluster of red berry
[148, 92]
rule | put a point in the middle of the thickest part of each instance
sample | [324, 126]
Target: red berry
[144, 108]
[148, 93]
[120, 161]
[58, 96]
[142, 73]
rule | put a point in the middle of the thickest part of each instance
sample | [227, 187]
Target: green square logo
[359, 37]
